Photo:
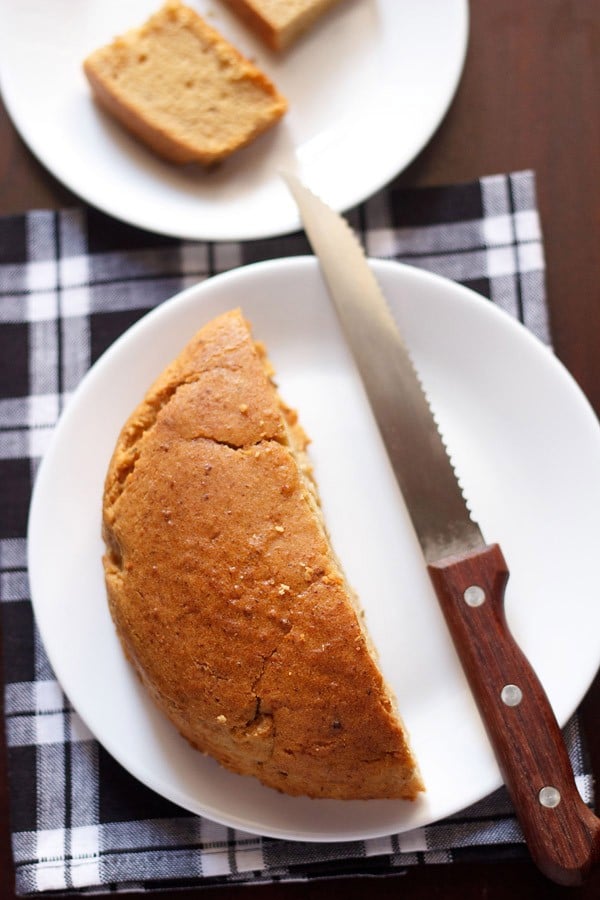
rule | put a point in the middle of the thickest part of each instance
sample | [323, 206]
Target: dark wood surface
[529, 98]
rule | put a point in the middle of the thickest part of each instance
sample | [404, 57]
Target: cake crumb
[224, 101]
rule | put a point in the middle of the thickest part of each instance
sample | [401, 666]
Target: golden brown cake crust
[224, 589]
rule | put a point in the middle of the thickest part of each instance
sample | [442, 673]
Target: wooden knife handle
[562, 834]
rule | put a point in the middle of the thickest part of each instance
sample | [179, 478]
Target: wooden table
[529, 98]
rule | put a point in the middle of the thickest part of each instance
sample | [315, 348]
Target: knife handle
[562, 833]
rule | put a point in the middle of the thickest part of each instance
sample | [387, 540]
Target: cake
[280, 22]
[181, 88]
[225, 591]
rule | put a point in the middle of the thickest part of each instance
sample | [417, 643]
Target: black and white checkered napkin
[70, 283]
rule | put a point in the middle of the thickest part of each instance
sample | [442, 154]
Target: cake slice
[226, 594]
[280, 22]
[182, 89]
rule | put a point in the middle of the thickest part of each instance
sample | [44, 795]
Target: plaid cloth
[70, 283]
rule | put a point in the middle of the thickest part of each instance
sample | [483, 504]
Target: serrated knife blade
[469, 576]
[437, 507]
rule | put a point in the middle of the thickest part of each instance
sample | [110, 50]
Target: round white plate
[367, 87]
[526, 445]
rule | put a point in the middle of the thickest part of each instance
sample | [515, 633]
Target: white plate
[526, 445]
[367, 88]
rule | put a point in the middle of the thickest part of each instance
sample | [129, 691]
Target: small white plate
[367, 87]
[526, 445]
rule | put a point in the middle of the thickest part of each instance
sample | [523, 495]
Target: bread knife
[469, 576]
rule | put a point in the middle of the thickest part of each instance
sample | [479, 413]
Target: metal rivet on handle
[474, 595]
[511, 694]
[549, 797]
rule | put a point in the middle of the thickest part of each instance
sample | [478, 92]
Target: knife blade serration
[400, 406]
